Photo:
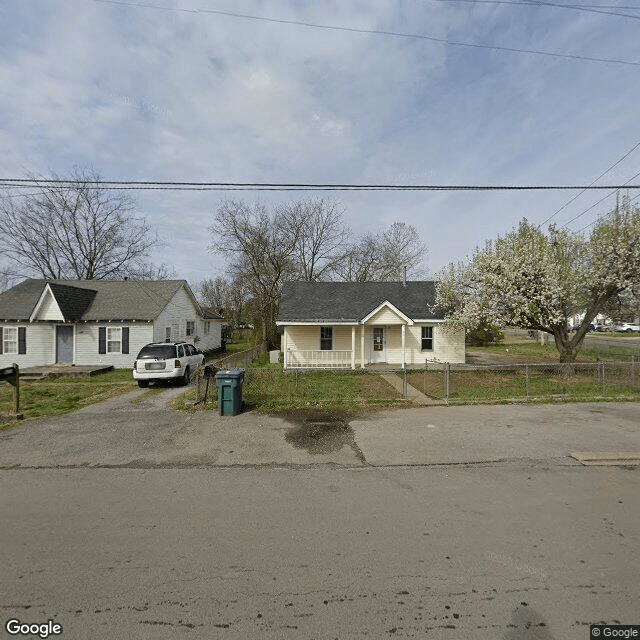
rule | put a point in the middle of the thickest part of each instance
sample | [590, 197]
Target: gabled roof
[94, 299]
[353, 301]
[73, 301]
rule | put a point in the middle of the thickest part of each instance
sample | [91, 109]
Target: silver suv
[166, 361]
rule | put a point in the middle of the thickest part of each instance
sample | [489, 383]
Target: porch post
[362, 346]
[284, 346]
[403, 354]
[353, 346]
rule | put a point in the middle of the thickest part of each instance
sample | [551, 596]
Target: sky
[171, 91]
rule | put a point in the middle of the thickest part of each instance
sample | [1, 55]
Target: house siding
[448, 347]
[49, 310]
[41, 345]
[385, 316]
[86, 343]
[176, 314]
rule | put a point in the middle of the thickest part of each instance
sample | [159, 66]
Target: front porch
[384, 347]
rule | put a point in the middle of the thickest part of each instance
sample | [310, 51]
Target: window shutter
[125, 339]
[102, 339]
[22, 340]
[1, 343]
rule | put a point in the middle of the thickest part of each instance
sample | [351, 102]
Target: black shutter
[102, 339]
[22, 340]
[1, 343]
[125, 339]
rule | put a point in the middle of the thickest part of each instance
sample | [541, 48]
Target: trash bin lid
[230, 373]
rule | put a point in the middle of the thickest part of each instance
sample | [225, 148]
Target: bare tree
[322, 238]
[383, 257]
[74, 230]
[7, 278]
[261, 245]
[214, 292]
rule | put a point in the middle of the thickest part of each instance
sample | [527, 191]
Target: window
[10, 340]
[180, 351]
[207, 325]
[167, 334]
[114, 340]
[427, 338]
[191, 328]
[326, 338]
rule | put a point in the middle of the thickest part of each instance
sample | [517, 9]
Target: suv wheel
[143, 384]
[186, 377]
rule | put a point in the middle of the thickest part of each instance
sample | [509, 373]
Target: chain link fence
[269, 388]
[453, 383]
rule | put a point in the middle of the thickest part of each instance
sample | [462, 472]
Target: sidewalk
[417, 397]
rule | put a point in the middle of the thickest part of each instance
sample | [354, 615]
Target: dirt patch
[321, 432]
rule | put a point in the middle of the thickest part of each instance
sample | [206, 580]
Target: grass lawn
[535, 352]
[52, 397]
[233, 347]
[272, 389]
[542, 384]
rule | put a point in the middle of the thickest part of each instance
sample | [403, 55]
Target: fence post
[405, 391]
[447, 370]
[526, 373]
[296, 381]
[425, 376]
[197, 386]
[602, 383]
[633, 371]
[16, 393]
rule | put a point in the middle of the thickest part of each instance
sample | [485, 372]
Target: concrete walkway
[413, 394]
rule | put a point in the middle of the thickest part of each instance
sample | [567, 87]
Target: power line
[625, 186]
[600, 218]
[540, 3]
[591, 185]
[380, 32]
[19, 183]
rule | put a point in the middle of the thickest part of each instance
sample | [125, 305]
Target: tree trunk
[567, 348]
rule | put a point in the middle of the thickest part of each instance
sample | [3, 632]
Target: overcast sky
[142, 92]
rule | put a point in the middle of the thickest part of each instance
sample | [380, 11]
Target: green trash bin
[229, 385]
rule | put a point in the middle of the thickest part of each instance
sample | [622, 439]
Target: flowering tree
[537, 280]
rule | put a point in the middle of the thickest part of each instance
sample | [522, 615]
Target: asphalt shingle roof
[352, 301]
[92, 299]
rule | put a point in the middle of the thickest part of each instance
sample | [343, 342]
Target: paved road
[461, 522]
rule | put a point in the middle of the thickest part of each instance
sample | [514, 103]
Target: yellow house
[354, 324]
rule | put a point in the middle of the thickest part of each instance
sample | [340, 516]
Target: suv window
[180, 351]
[191, 350]
[160, 351]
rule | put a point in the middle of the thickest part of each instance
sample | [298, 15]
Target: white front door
[378, 345]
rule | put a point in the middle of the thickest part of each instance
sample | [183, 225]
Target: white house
[354, 324]
[91, 322]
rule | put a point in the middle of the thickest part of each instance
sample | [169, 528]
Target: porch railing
[319, 359]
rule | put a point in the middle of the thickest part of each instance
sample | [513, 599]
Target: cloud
[141, 93]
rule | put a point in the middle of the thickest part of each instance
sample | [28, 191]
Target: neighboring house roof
[94, 299]
[209, 313]
[353, 301]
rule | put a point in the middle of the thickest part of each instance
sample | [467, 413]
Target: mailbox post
[12, 376]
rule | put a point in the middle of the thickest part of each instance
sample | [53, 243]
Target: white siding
[49, 309]
[86, 343]
[211, 340]
[41, 345]
[176, 314]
